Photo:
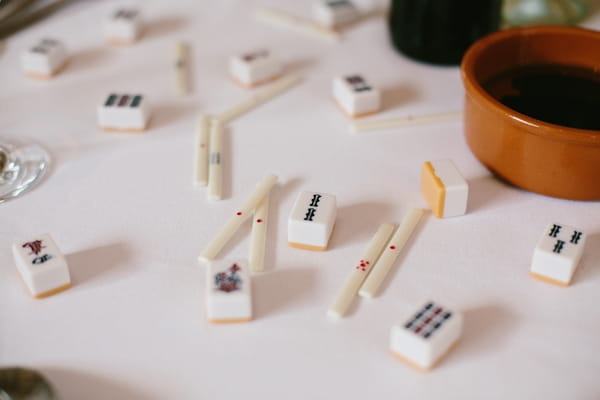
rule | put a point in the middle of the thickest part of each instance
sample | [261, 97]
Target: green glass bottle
[440, 31]
[549, 12]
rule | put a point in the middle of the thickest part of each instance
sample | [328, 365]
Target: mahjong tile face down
[444, 188]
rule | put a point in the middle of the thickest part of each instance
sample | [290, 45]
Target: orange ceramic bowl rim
[545, 158]
[530, 125]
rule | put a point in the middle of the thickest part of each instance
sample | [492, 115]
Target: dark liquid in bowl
[561, 95]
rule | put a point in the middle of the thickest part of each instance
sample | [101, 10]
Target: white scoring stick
[275, 89]
[391, 252]
[201, 151]
[258, 236]
[372, 125]
[215, 161]
[241, 215]
[180, 68]
[294, 23]
[361, 270]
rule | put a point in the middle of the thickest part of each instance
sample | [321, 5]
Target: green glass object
[543, 12]
[24, 384]
[440, 31]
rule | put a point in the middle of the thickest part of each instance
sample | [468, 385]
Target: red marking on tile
[123, 101]
[392, 247]
[238, 213]
[259, 220]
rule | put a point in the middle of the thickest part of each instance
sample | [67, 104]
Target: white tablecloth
[124, 210]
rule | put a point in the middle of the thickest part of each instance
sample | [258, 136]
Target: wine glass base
[22, 166]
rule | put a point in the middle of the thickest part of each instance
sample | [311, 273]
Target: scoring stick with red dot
[201, 151]
[240, 216]
[390, 253]
[258, 236]
[359, 272]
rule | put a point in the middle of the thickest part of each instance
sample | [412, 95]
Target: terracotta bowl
[545, 158]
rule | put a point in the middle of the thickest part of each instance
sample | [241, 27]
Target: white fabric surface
[123, 209]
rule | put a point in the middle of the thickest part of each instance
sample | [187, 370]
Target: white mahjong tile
[426, 336]
[557, 253]
[312, 220]
[42, 266]
[355, 96]
[228, 291]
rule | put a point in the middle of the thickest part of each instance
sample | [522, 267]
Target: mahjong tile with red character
[228, 291]
[42, 266]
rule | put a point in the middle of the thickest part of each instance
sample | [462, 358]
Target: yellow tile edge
[433, 189]
[53, 291]
[410, 362]
[122, 42]
[549, 280]
[354, 116]
[128, 130]
[125, 130]
[229, 321]
[420, 367]
[45, 77]
[307, 246]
